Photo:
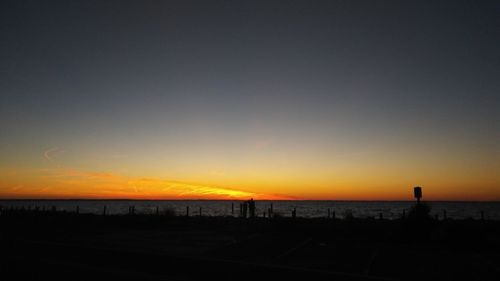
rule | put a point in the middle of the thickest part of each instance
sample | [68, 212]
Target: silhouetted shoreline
[305, 208]
[66, 245]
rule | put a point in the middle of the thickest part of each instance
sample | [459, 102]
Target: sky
[340, 100]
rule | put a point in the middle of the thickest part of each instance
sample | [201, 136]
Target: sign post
[417, 191]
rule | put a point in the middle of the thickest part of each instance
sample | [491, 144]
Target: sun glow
[71, 183]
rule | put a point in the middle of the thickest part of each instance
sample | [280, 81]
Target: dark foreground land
[66, 246]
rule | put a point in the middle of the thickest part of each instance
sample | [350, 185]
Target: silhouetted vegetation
[420, 211]
[277, 215]
[168, 212]
[348, 214]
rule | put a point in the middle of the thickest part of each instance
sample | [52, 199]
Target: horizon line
[201, 199]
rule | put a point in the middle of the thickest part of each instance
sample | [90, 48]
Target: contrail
[48, 154]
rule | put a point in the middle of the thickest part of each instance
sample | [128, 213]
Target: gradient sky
[237, 99]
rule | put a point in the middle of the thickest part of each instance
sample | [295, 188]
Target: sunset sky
[343, 100]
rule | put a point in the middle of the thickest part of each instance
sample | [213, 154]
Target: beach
[65, 245]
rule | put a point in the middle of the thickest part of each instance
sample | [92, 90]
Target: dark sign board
[418, 192]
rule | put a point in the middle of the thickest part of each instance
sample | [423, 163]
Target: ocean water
[308, 209]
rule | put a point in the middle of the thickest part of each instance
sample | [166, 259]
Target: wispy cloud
[188, 190]
[110, 185]
[51, 153]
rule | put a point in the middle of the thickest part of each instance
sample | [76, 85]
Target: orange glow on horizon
[75, 184]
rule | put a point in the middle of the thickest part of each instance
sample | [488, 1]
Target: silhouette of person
[251, 207]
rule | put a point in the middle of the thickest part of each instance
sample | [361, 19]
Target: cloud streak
[109, 185]
[51, 153]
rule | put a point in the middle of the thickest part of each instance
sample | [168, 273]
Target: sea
[307, 209]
